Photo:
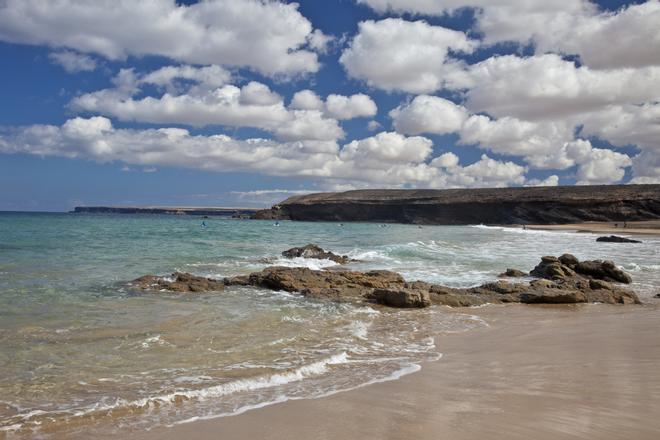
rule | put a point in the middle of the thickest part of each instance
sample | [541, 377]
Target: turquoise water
[80, 351]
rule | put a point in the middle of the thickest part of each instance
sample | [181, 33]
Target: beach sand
[650, 227]
[537, 372]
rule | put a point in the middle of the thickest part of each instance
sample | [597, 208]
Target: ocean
[80, 351]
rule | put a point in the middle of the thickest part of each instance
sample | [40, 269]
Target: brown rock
[599, 284]
[603, 270]
[402, 298]
[314, 251]
[178, 282]
[513, 273]
[568, 260]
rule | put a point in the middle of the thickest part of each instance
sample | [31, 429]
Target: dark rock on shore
[178, 282]
[531, 205]
[617, 239]
[314, 251]
[568, 267]
[563, 280]
[558, 283]
[513, 273]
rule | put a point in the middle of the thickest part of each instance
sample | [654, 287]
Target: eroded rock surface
[314, 251]
[563, 280]
[178, 282]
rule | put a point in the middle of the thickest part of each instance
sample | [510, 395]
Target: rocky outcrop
[178, 282]
[533, 205]
[563, 280]
[512, 273]
[314, 251]
[568, 267]
[617, 239]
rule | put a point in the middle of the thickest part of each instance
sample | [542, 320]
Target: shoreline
[650, 227]
[542, 372]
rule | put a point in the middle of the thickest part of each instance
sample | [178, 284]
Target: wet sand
[537, 372]
[650, 227]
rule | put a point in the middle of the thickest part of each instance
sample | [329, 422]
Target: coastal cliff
[535, 205]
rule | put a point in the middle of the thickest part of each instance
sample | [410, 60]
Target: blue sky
[424, 93]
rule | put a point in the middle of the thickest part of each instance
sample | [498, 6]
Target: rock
[617, 239]
[314, 251]
[551, 268]
[568, 260]
[553, 296]
[319, 283]
[178, 282]
[513, 273]
[603, 270]
[599, 284]
[657, 295]
[402, 298]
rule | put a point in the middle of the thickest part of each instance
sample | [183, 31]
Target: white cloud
[395, 54]
[429, 114]
[549, 181]
[271, 37]
[546, 86]
[629, 37]
[73, 62]
[386, 159]
[349, 107]
[207, 77]
[388, 147]
[203, 100]
[596, 165]
[646, 168]
[335, 106]
[306, 100]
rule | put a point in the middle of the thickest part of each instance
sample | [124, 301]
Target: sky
[247, 102]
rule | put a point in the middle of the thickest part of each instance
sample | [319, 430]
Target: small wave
[238, 386]
[310, 263]
[404, 371]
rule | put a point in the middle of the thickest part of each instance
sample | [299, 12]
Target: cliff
[536, 205]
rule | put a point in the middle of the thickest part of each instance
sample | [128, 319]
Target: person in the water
[276, 224]
[203, 224]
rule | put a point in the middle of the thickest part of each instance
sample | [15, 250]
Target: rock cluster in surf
[316, 252]
[617, 239]
[558, 280]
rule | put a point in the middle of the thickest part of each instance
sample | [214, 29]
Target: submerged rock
[617, 239]
[314, 251]
[178, 282]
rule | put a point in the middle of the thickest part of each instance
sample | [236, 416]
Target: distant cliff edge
[535, 205]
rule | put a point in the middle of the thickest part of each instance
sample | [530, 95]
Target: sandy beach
[651, 227]
[548, 372]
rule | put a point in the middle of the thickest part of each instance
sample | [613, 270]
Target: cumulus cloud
[335, 106]
[73, 62]
[386, 159]
[429, 114]
[199, 96]
[597, 165]
[349, 107]
[394, 54]
[271, 37]
[602, 39]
